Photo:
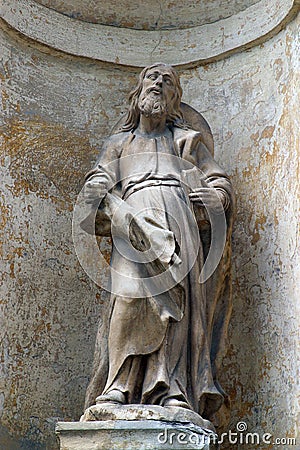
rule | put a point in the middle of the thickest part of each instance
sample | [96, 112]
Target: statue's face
[158, 83]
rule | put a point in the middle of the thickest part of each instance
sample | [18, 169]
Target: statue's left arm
[214, 183]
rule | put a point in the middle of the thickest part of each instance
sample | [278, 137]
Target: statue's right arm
[103, 177]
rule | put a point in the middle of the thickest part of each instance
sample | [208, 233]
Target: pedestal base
[134, 435]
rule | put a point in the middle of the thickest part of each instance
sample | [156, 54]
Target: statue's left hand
[206, 197]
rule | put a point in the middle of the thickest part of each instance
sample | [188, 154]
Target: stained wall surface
[56, 112]
[252, 102]
[163, 14]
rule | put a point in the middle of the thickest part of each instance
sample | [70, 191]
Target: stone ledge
[166, 414]
[133, 435]
[138, 48]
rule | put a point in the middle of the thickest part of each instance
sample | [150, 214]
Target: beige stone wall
[56, 111]
[152, 15]
[252, 102]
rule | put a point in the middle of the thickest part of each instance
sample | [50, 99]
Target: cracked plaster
[55, 114]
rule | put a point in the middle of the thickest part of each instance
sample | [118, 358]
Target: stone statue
[162, 340]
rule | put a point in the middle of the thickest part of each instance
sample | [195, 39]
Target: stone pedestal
[137, 427]
[133, 435]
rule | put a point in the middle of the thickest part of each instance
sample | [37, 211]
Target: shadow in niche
[7, 442]
[238, 409]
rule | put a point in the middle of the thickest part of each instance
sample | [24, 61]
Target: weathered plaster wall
[56, 109]
[252, 102]
[156, 14]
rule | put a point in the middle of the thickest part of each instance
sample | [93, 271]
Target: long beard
[152, 105]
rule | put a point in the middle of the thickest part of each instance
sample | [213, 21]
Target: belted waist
[149, 183]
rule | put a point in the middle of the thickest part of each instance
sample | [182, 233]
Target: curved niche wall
[249, 23]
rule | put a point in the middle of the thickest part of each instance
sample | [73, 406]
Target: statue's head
[158, 93]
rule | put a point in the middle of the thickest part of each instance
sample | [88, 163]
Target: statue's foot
[172, 401]
[113, 396]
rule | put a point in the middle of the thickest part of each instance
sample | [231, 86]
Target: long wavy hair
[174, 114]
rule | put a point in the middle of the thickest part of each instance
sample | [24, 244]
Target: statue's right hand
[94, 190]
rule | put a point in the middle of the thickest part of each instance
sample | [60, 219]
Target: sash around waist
[149, 183]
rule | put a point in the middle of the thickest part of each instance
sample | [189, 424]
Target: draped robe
[154, 345]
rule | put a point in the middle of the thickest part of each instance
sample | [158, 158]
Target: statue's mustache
[152, 89]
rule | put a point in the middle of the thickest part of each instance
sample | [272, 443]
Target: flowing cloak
[182, 331]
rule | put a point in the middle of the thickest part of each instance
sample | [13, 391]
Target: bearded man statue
[163, 339]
